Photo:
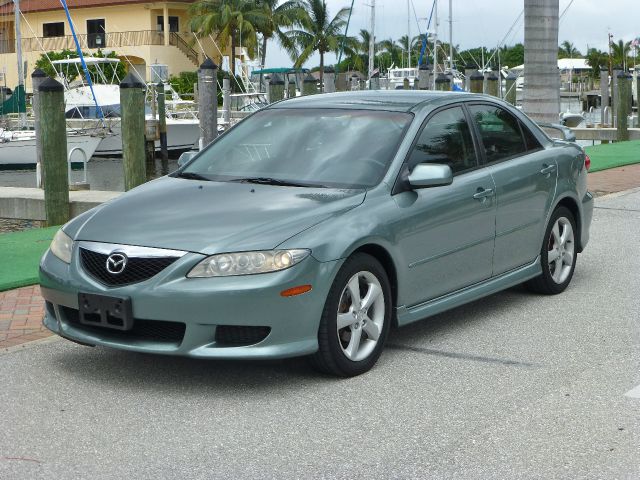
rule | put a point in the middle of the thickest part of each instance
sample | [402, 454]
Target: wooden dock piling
[604, 94]
[208, 102]
[162, 128]
[477, 82]
[493, 85]
[424, 77]
[37, 78]
[132, 92]
[53, 135]
[623, 104]
[226, 100]
[443, 83]
[510, 88]
[329, 81]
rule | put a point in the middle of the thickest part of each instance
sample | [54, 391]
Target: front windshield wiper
[274, 181]
[192, 176]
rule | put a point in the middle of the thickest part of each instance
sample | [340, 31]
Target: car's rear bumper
[198, 307]
[587, 215]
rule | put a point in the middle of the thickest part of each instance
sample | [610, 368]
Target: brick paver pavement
[614, 179]
[21, 313]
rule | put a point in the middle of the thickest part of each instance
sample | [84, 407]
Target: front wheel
[356, 318]
[558, 254]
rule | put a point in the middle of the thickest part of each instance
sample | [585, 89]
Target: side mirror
[430, 175]
[186, 158]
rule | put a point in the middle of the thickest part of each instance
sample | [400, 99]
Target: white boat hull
[22, 152]
[181, 135]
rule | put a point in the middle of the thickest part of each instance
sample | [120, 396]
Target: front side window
[337, 148]
[499, 131]
[446, 139]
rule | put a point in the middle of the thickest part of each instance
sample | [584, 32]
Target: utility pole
[451, 36]
[372, 44]
[16, 11]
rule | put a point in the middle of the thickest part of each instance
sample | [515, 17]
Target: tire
[353, 349]
[557, 274]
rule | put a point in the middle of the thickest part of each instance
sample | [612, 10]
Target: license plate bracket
[105, 311]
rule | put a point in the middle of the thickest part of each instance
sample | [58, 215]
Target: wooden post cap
[51, 85]
[208, 64]
[131, 81]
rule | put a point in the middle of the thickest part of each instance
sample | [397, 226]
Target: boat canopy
[16, 104]
[280, 70]
[87, 60]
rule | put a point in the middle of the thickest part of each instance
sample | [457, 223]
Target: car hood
[212, 217]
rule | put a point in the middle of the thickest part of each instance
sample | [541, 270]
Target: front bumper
[201, 304]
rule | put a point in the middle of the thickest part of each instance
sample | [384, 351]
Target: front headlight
[247, 263]
[62, 246]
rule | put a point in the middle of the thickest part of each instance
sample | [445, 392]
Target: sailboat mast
[372, 34]
[451, 35]
[435, 45]
[408, 33]
[16, 11]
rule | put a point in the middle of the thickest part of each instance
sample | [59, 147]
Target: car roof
[393, 100]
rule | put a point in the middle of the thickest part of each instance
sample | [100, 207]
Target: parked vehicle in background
[316, 224]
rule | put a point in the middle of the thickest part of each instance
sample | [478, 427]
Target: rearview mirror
[186, 158]
[430, 175]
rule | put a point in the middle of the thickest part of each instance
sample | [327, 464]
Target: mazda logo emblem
[116, 263]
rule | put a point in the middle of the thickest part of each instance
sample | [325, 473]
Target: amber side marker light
[299, 290]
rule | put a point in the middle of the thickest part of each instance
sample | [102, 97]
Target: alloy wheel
[360, 319]
[561, 250]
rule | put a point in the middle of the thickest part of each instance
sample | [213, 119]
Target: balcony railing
[95, 40]
[103, 40]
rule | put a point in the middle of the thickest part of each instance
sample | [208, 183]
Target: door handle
[547, 169]
[483, 193]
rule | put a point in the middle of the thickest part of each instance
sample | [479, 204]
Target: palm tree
[357, 50]
[228, 20]
[316, 32]
[620, 53]
[568, 50]
[278, 15]
[542, 89]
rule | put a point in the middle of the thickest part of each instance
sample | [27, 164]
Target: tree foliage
[74, 72]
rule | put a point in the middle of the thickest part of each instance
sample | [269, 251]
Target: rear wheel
[356, 318]
[558, 254]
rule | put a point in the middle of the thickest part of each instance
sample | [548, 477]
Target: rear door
[446, 233]
[525, 178]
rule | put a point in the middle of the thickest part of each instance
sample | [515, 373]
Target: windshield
[311, 147]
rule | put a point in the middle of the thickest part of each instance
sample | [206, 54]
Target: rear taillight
[587, 162]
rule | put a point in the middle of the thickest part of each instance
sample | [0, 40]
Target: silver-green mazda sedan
[318, 223]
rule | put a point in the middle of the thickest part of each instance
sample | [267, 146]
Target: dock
[603, 134]
[28, 203]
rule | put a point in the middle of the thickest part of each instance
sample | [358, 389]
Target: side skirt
[408, 315]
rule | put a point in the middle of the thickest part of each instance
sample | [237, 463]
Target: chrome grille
[141, 263]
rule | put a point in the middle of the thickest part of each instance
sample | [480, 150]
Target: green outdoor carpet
[20, 254]
[613, 155]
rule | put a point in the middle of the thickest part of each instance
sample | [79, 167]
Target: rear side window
[500, 132]
[446, 139]
[530, 140]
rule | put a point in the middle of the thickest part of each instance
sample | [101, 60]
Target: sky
[484, 22]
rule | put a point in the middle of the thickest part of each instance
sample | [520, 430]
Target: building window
[174, 24]
[53, 29]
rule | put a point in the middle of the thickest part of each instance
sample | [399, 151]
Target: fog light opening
[299, 290]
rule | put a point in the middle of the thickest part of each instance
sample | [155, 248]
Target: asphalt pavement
[515, 385]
